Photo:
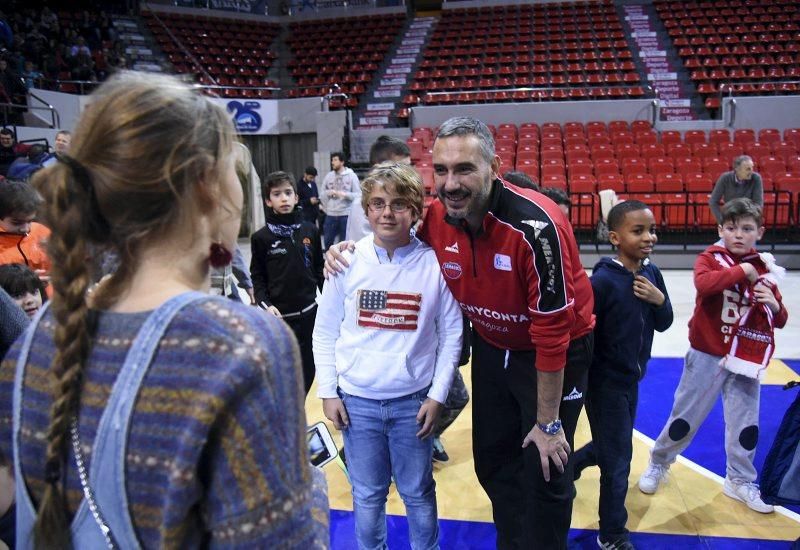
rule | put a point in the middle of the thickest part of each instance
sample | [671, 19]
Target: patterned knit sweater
[217, 452]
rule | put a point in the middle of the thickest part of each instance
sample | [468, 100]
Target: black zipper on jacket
[472, 251]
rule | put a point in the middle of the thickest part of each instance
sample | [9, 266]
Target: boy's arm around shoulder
[712, 278]
[662, 314]
[327, 328]
[449, 327]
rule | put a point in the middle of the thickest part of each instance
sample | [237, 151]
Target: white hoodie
[385, 330]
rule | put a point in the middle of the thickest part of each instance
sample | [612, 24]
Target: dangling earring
[220, 255]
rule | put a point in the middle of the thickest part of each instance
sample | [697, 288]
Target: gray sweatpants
[701, 383]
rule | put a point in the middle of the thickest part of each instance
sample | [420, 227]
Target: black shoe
[439, 454]
[617, 544]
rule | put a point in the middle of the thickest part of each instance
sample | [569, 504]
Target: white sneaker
[748, 493]
[652, 478]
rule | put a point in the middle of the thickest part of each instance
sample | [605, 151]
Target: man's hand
[314, 200]
[551, 447]
[333, 194]
[334, 260]
[428, 413]
[647, 291]
[764, 295]
[750, 271]
[251, 295]
[334, 410]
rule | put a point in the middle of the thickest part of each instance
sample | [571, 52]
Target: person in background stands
[309, 196]
[340, 189]
[741, 182]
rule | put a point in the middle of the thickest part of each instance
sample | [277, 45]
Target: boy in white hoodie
[386, 343]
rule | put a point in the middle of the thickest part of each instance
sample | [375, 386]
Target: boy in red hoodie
[736, 309]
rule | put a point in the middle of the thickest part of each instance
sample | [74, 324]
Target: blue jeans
[335, 226]
[381, 442]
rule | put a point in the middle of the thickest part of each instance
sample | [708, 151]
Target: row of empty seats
[219, 52]
[587, 157]
[683, 213]
[576, 45]
[345, 52]
[748, 48]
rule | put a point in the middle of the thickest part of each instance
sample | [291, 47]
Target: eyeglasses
[378, 205]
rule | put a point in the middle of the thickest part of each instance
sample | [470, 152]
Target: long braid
[70, 278]
[105, 197]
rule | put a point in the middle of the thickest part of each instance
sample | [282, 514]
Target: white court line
[709, 474]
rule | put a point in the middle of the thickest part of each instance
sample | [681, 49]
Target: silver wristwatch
[551, 428]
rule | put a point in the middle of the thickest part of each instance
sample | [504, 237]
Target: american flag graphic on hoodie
[388, 310]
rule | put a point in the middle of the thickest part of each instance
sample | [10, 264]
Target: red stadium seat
[554, 180]
[660, 165]
[792, 135]
[744, 135]
[788, 181]
[715, 167]
[769, 136]
[698, 182]
[784, 150]
[702, 212]
[585, 210]
[757, 150]
[670, 137]
[610, 181]
[582, 183]
[676, 211]
[694, 136]
[771, 166]
[639, 183]
[669, 183]
[777, 209]
[719, 136]
[651, 150]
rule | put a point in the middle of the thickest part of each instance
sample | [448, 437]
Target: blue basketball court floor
[688, 512]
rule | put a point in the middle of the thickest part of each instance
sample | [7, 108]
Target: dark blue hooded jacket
[623, 334]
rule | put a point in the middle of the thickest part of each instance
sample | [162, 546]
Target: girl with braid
[147, 413]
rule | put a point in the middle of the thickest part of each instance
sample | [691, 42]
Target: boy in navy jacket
[630, 302]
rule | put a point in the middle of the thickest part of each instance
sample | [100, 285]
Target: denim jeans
[335, 226]
[381, 443]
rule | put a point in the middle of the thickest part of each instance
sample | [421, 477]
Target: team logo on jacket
[388, 310]
[451, 270]
[502, 262]
[537, 226]
[452, 248]
[574, 395]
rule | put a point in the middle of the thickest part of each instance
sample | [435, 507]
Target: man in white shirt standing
[340, 189]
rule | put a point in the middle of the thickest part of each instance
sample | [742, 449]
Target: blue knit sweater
[217, 453]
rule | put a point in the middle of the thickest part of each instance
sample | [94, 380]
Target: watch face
[551, 428]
